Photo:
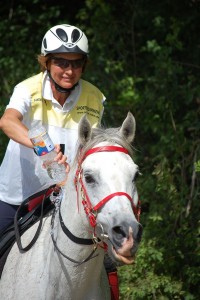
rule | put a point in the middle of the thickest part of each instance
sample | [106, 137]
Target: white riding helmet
[64, 39]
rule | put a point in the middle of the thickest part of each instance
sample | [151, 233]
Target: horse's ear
[128, 127]
[84, 130]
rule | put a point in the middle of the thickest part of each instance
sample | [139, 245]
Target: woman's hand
[61, 159]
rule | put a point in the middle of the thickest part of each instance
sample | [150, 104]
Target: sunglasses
[65, 63]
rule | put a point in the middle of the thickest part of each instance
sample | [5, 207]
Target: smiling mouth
[66, 79]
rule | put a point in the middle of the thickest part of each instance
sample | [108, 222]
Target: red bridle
[90, 211]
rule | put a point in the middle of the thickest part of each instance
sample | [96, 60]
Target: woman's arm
[12, 126]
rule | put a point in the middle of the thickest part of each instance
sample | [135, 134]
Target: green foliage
[144, 56]
[197, 166]
[143, 282]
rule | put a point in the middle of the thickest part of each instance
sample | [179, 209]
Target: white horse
[98, 213]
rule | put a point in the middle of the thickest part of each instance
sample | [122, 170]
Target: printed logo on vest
[37, 100]
[90, 111]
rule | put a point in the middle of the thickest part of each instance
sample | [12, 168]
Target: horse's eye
[89, 178]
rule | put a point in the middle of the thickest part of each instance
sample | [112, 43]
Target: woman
[56, 98]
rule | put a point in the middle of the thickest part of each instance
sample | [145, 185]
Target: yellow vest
[89, 102]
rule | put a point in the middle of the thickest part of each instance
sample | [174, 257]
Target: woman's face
[66, 68]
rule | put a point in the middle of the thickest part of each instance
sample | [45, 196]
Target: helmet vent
[62, 34]
[75, 35]
[45, 43]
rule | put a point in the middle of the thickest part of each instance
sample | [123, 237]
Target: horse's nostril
[119, 232]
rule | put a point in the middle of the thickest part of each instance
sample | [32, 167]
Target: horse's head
[107, 175]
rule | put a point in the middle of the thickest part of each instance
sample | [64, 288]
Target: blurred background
[145, 58]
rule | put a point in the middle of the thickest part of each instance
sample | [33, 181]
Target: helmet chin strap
[60, 88]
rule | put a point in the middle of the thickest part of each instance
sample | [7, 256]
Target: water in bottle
[44, 148]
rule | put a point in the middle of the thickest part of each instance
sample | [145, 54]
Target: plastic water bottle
[44, 148]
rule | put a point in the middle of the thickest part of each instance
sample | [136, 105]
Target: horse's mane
[110, 135]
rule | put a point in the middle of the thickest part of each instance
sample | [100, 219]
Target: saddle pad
[37, 198]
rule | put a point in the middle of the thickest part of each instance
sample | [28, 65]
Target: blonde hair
[43, 61]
